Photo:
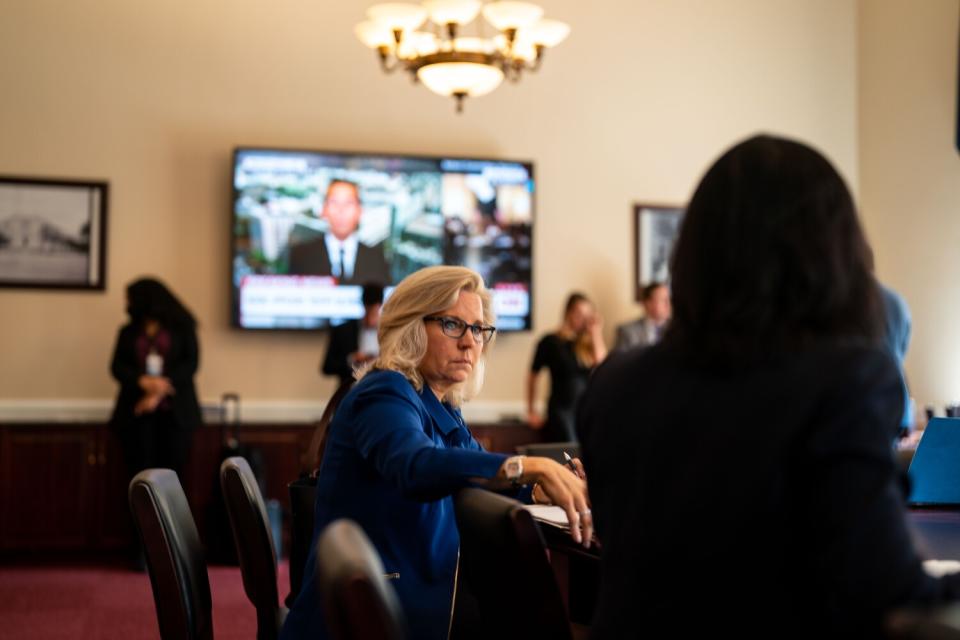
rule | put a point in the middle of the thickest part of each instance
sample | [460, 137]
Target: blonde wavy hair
[402, 332]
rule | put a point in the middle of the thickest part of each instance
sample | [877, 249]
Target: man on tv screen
[338, 252]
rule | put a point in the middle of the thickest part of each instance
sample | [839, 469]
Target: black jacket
[763, 501]
[344, 340]
[180, 366]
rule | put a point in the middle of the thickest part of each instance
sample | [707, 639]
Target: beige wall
[910, 175]
[153, 95]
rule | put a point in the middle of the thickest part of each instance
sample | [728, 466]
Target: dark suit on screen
[762, 500]
[312, 258]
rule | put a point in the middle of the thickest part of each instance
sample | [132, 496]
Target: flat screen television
[310, 228]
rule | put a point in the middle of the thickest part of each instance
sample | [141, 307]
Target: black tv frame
[234, 309]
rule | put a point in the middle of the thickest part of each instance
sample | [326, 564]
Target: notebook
[935, 469]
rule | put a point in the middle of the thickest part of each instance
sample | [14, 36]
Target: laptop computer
[934, 498]
[935, 469]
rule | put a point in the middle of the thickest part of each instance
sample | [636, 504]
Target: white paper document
[548, 514]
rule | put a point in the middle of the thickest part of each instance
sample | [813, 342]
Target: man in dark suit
[647, 330]
[339, 252]
[355, 341]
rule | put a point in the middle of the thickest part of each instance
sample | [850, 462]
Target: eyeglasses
[455, 328]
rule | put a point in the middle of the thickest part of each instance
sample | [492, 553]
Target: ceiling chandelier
[444, 58]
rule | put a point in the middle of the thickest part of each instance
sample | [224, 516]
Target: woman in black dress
[570, 354]
[154, 361]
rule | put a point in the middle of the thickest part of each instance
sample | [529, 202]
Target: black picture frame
[655, 230]
[53, 233]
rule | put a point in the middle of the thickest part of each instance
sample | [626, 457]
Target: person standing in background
[647, 330]
[154, 360]
[354, 342]
[897, 326]
[570, 354]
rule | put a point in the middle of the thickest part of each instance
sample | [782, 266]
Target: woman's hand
[595, 325]
[147, 404]
[155, 389]
[595, 329]
[564, 489]
[578, 469]
[156, 385]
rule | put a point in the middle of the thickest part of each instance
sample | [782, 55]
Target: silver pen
[570, 464]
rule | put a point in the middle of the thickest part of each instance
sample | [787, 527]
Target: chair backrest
[303, 496]
[505, 566]
[251, 534]
[178, 570]
[358, 604]
[552, 450]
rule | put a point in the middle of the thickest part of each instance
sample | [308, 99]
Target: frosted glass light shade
[469, 78]
[476, 45]
[522, 49]
[506, 14]
[549, 33]
[418, 43]
[398, 15]
[374, 35]
[443, 12]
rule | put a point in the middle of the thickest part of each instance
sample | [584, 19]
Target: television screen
[310, 228]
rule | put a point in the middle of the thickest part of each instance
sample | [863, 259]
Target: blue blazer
[393, 458]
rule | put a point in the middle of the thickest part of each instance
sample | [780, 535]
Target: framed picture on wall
[52, 233]
[655, 230]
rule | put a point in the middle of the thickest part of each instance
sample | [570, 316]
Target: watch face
[514, 468]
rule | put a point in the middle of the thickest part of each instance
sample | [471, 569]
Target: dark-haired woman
[154, 361]
[741, 472]
[569, 354]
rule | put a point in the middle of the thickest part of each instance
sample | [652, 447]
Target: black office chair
[504, 565]
[178, 570]
[358, 604]
[552, 450]
[303, 496]
[254, 542]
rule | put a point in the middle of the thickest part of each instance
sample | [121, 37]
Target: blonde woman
[398, 448]
[569, 354]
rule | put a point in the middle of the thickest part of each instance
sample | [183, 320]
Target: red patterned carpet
[110, 602]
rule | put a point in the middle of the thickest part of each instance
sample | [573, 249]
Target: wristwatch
[513, 467]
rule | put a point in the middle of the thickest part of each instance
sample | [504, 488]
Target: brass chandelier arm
[514, 68]
[388, 63]
[414, 64]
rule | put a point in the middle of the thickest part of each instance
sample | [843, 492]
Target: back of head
[770, 257]
[150, 298]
